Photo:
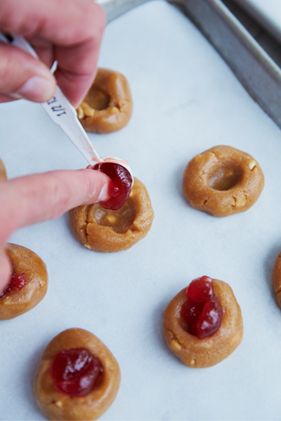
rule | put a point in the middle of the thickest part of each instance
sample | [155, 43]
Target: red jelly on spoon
[76, 371]
[120, 185]
[201, 312]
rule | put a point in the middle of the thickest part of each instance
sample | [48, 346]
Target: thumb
[23, 76]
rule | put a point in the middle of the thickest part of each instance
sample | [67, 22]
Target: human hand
[68, 31]
[39, 197]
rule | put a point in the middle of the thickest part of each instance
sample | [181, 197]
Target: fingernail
[36, 89]
[104, 193]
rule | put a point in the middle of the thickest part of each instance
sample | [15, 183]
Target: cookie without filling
[108, 105]
[222, 181]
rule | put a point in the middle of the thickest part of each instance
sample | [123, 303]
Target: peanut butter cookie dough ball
[276, 278]
[108, 105]
[77, 378]
[107, 230]
[222, 181]
[28, 285]
[3, 173]
[211, 350]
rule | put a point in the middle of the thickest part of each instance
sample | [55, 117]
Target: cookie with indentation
[59, 405]
[222, 181]
[25, 296]
[202, 353]
[107, 230]
[108, 105]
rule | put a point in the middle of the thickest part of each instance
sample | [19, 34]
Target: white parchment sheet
[186, 100]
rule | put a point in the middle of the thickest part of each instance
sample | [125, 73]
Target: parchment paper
[186, 100]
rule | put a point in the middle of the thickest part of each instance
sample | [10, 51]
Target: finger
[44, 50]
[22, 76]
[5, 270]
[6, 98]
[39, 197]
[75, 28]
[69, 73]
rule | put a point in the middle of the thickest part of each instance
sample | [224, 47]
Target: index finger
[39, 197]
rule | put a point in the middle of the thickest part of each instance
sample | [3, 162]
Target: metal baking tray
[186, 100]
[252, 54]
[250, 62]
[266, 13]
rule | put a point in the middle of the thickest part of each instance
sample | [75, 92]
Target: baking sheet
[267, 13]
[186, 100]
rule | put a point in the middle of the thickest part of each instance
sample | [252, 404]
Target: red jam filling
[201, 312]
[16, 284]
[76, 371]
[120, 185]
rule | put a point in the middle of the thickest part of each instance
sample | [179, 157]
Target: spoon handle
[59, 108]
[62, 113]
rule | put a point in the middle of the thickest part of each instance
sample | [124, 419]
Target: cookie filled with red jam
[201, 313]
[76, 371]
[16, 283]
[77, 378]
[203, 325]
[102, 229]
[28, 284]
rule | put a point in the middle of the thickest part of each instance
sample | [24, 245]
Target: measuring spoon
[64, 114]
